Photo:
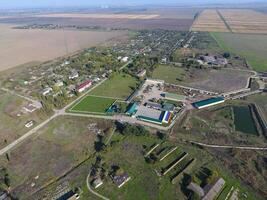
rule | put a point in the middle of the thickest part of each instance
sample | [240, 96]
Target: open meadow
[252, 47]
[13, 120]
[169, 74]
[55, 149]
[24, 46]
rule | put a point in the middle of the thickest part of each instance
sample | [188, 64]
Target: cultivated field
[93, 104]
[119, 86]
[222, 80]
[210, 21]
[253, 47]
[23, 46]
[101, 16]
[245, 21]
[231, 20]
[58, 147]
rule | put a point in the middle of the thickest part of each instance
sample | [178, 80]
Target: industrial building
[208, 102]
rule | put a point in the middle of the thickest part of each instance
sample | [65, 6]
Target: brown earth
[24, 46]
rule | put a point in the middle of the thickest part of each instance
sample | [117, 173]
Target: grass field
[92, 104]
[118, 86]
[168, 73]
[253, 47]
[144, 183]
[62, 144]
[12, 125]
[43, 45]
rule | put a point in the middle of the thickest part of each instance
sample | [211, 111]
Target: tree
[226, 55]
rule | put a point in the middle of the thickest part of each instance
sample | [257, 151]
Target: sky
[82, 3]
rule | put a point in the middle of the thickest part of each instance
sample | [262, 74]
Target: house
[83, 86]
[142, 73]
[125, 59]
[30, 108]
[120, 180]
[74, 74]
[97, 183]
[29, 124]
[46, 91]
[59, 83]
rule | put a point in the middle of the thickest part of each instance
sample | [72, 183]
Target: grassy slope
[117, 86]
[64, 143]
[261, 101]
[93, 104]
[168, 73]
[251, 46]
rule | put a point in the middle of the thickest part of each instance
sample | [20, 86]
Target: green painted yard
[93, 104]
[119, 85]
[168, 73]
[253, 47]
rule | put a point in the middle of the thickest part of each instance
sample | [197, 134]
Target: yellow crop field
[245, 21]
[210, 21]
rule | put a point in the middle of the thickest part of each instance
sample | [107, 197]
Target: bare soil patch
[24, 46]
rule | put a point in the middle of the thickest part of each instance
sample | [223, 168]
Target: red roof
[86, 83]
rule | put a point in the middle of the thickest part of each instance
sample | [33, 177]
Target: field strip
[224, 21]
[87, 112]
[105, 97]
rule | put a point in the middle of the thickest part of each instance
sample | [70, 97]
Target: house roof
[208, 101]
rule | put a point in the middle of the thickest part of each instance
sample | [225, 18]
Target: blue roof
[132, 109]
[208, 101]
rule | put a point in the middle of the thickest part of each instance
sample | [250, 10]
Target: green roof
[208, 101]
[173, 96]
[149, 119]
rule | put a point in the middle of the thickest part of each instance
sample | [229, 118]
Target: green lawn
[93, 104]
[119, 85]
[253, 47]
[168, 73]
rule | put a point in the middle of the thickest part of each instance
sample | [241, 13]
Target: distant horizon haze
[13, 4]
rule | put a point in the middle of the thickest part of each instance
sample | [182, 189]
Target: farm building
[97, 183]
[212, 191]
[120, 180]
[73, 75]
[196, 189]
[153, 105]
[132, 109]
[149, 115]
[141, 73]
[174, 97]
[208, 102]
[84, 86]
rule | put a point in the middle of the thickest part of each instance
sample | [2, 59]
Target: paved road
[92, 191]
[228, 146]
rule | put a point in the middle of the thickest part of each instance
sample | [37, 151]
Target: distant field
[103, 16]
[23, 46]
[93, 104]
[231, 20]
[168, 73]
[210, 21]
[117, 86]
[245, 21]
[253, 47]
